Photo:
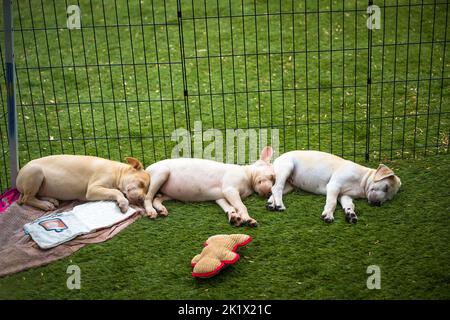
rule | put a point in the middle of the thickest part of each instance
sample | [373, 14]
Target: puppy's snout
[375, 203]
[266, 194]
[136, 199]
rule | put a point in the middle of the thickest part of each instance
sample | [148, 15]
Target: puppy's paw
[54, 201]
[162, 211]
[280, 208]
[269, 203]
[47, 206]
[123, 205]
[234, 219]
[251, 222]
[351, 217]
[327, 217]
[151, 213]
[270, 206]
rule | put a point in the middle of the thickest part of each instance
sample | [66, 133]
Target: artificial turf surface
[294, 254]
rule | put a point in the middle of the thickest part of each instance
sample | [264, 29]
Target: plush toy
[219, 251]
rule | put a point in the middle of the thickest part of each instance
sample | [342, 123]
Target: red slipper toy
[219, 251]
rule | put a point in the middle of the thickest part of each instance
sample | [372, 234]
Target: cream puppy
[44, 181]
[340, 180]
[188, 179]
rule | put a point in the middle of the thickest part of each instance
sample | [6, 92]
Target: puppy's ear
[383, 172]
[266, 154]
[135, 163]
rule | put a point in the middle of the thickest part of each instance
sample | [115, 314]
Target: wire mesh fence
[137, 70]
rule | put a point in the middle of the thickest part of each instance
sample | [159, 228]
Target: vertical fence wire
[183, 66]
[442, 87]
[247, 114]
[369, 87]
[430, 75]
[99, 79]
[147, 82]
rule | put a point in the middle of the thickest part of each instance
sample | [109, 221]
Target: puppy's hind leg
[29, 181]
[283, 171]
[159, 176]
[157, 204]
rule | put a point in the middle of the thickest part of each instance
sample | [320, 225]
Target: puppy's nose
[375, 203]
[267, 194]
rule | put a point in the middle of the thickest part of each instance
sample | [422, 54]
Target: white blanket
[54, 229]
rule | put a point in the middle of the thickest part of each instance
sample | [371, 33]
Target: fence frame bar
[11, 90]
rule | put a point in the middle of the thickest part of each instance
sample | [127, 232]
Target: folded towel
[19, 251]
[53, 229]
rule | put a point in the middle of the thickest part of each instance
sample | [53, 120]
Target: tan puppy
[187, 179]
[69, 177]
[338, 179]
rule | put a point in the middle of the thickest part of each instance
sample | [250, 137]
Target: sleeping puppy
[188, 179]
[44, 181]
[340, 180]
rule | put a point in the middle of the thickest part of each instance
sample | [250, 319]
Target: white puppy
[188, 179]
[338, 179]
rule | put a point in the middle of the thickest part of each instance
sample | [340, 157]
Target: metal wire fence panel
[109, 89]
[281, 64]
[137, 70]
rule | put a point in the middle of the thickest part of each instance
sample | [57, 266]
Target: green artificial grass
[294, 254]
